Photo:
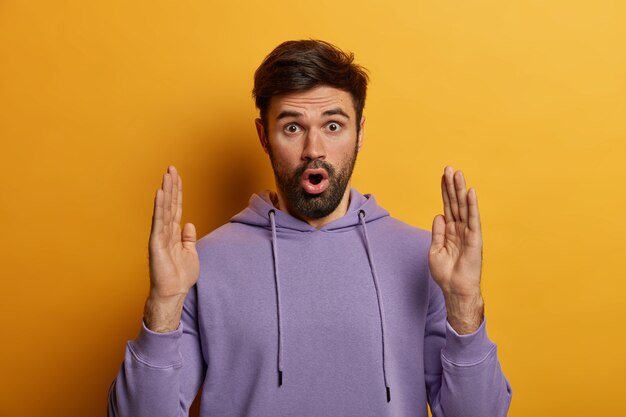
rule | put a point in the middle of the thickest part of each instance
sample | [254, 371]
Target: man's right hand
[174, 265]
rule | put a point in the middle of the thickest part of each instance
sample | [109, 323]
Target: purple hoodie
[290, 321]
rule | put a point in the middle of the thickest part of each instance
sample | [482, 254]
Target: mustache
[314, 164]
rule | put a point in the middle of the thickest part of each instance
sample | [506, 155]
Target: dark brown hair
[296, 66]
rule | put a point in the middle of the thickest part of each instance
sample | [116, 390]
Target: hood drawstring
[381, 310]
[271, 215]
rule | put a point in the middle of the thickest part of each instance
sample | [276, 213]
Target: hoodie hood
[259, 206]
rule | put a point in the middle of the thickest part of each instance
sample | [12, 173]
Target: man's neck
[280, 203]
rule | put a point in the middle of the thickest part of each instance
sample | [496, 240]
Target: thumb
[189, 235]
[439, 233]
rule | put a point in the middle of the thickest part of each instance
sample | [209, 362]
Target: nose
[314, 147]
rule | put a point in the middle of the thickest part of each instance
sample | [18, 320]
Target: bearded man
[313, 301]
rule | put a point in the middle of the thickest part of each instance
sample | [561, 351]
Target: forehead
[312, 102]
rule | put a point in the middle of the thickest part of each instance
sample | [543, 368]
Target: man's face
[312, 142]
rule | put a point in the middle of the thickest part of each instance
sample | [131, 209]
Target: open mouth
[314, 180]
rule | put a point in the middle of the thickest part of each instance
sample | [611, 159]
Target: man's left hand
[455, 256]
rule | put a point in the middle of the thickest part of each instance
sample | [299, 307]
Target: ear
[260, 131]
[361, 130]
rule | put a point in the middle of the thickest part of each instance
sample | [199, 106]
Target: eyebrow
[332, 112]
[336, 111]
[288, 113]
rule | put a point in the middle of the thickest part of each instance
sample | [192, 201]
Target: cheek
[284, 157]
[345, 147]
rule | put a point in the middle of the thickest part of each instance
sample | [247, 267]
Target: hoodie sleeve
[462, 372]
[162, 372]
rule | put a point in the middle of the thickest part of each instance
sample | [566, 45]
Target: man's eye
[292, 128]
[334, 127]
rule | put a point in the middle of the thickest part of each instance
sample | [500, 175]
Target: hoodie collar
[256, 214]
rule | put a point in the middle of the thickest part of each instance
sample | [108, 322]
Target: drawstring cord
[381, 311]
[271, 214]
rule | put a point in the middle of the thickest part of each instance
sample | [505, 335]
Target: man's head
[311, 97]
[298, 66]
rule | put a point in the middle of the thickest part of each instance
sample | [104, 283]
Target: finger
[454, 204]
[189, 236]
[179, 201]
[167, 200]
[474, 214]
[157, 213]
[439, 233]
[447, 210]
[174, 175]
[461, 195]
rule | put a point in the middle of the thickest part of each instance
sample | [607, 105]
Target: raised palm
[174, 265]
[455, 256]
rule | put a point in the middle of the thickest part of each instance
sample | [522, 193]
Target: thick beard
[313, 206]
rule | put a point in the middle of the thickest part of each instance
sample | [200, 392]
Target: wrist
[162, 314]
[465, 313]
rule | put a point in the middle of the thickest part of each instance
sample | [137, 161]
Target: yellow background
[98, 97]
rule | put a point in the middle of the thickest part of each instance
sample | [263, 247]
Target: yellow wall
[98, 97]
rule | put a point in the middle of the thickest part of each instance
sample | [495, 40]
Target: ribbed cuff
[157, 349]
[468, 349]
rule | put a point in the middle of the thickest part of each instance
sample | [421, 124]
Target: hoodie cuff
[468, 349]
[157, 349]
